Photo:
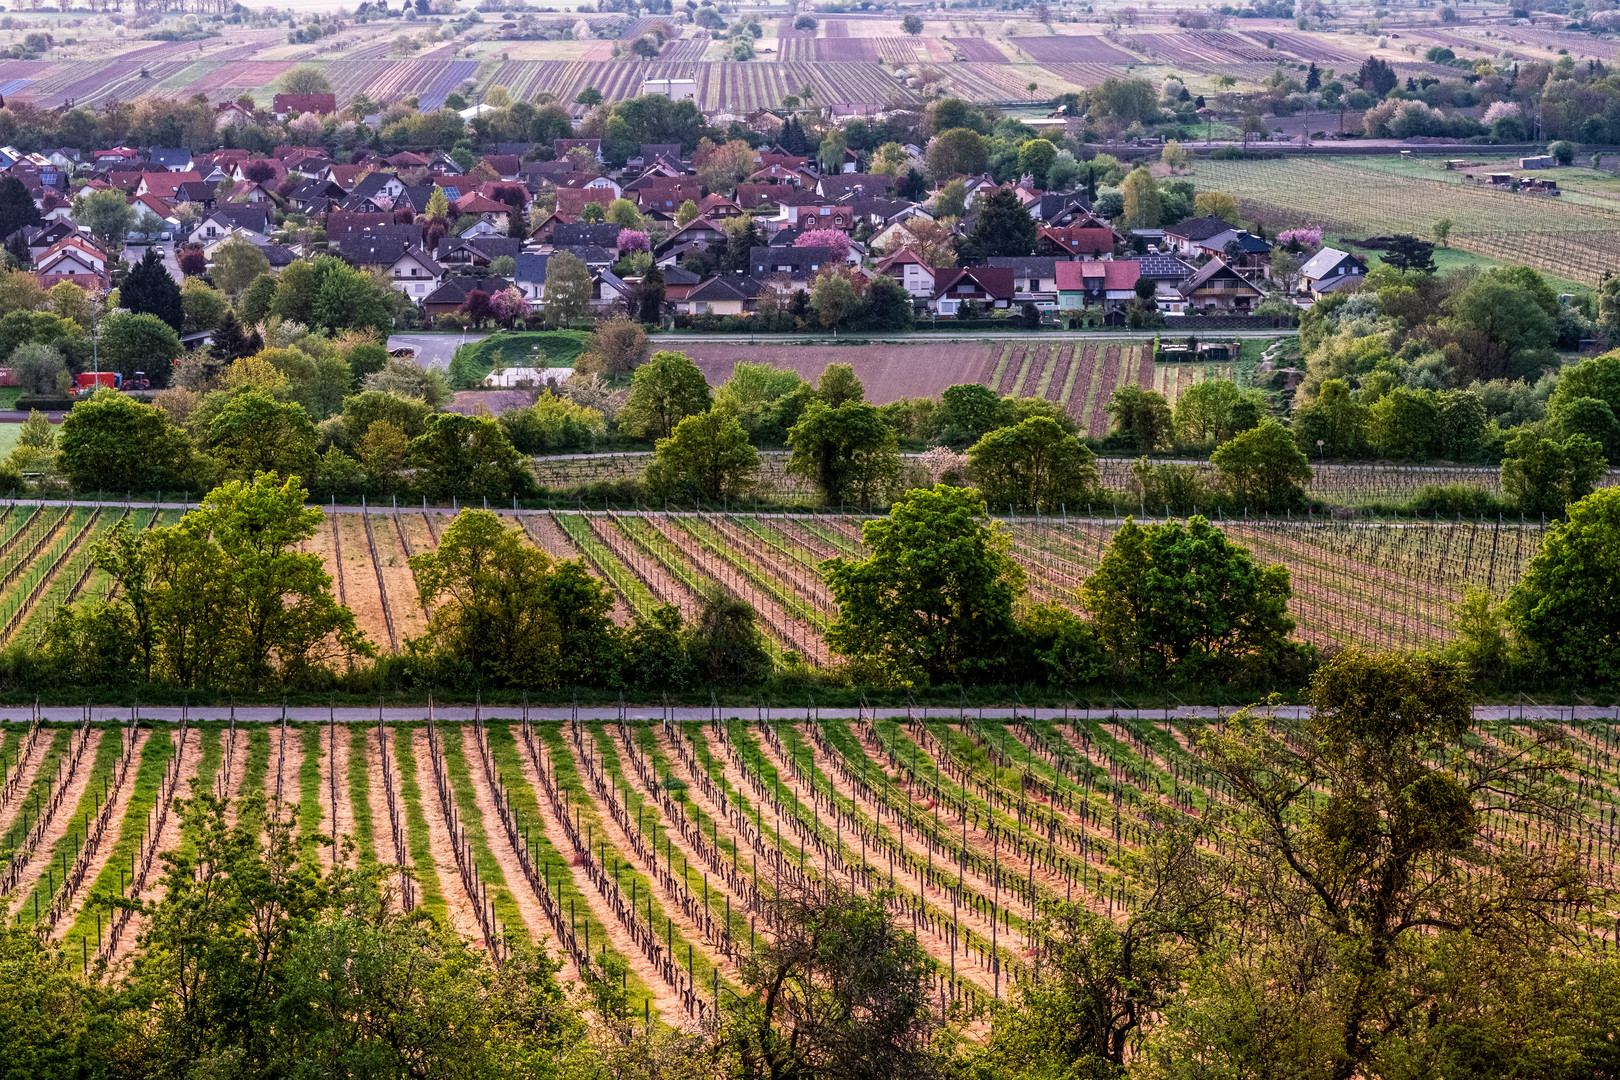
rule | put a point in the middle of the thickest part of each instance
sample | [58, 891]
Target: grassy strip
[40, 789]
[637, 595]
[552, 864]
[459, 772]
[1001, 365]
[211, 754]
[65, 851]
[663, 551]
[250, 810]
[790, 601]
[310, 816]
[416, 836]
[359, 780]
[624, 870]
[155, 757]
[1023, 370]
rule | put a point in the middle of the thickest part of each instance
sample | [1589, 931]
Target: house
[572, 202]
[460, 251]
[721, 295]
[651, 152]
[1540, 161]
[1092, 239]
[530, 276]
[1218, 287]
[595, 258]
[798, 264]
[73, 259]
[1105, 283]
[914, 275]
[452, 292]
[315, 196]
[608, 290]
[41, 238]
[1330, 270]
[821, 216]
[674, 89]
[679, 283]
[169, 159]
[1034, 277]
[607, 189]
[989, 287]
[598, 235]
[1184, 237]
[200, 193]
[699, 231]
[228, 219]
[718, 206]
[484, 208]
[851, 183]
[1238, 247]
[163, 185]
[285, 105]
[505, 165]
[560, 147]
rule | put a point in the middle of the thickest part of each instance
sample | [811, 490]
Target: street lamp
[1319, 454]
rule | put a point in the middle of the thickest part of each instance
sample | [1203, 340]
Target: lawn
[537, 348]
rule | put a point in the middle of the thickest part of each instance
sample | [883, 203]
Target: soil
[109, 840]
[549, 537]
[461, 913]
[66, 817]
[409, 618]
[382, 829]
[335, 764]
[1108, 380]
[360, 581]
[30, 768]
[169, 838]
[803, 580]
[889, 372]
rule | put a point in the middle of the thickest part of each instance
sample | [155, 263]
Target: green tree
[968, 412]
[507, 615]
[1404, 423]
[850, 451]
[1174, 600]
[254, 434]
[708, 458]
[346, 298]
[1442, 232]
[131, 343]
[204, 307]
[304, 79]
[1566, 608]
[1142, 417]
[111, 442]
[664, 391]
[467, 456]
[830, 154]
[912, 24]
[149, 290]
[726, 646]
[1035, 157]
[1033, 464]
[1214, 410]
[933, 600]
[952, 199]
[833, 299]
[237, 265]
[17, 208]
[1591, 417]
[567, 294]
[106, 213]
[959, 151]
[1543, 476]
[1003, 226]
[1141, 194]
[1336, 418]
[18, 328]
[255, 304]
[1263, 467]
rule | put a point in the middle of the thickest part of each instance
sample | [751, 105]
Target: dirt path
[663, 998]
[30, 770]
[382, 829]
[803, 581]
[109, 840]
[695, 792]
[335, 767]
[409, 618]
[66, 817]
[360, 580]
[459, 909]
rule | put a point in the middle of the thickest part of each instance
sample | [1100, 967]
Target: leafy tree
[1174, 600]
[1565, 610]
[1263, 467]
[106, 214]
[111, 442]
[150, 290]
[726, 646]
[1543, 476]
[44, 328]
[238, 264]
[708, 458]
[839, 385]
[912, 24]
[959, 151]
[255, 304]
[1118, 102]
[228, 342]
[304, 79]
[650, 297]
[665, 390]
[1591, 417]
[131, 343]
[1033, 464]
[830, 154]
[1214, 410]
[567, 294]
[850, 451]
[383, 451]
[933, 600]
[346, 297]
[508, 615]
[1141, 416]
[1442, 232]
[1141, 193]
[1505, 328]
[17, 207]
[886, 305]
[616, 347]
[833, 299]
[1003, 225]
[36, 367]
[204, 306]
[968, 412]
[952, 200]
[466, 456]
[1216, 204]
[254, 433]
[1035, 157]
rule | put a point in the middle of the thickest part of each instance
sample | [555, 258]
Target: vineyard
[568, 834]
[1571, 241]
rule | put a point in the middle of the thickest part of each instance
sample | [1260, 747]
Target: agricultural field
[1567, 239]
[566, 834]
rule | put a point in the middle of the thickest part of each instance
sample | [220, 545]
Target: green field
[538, 348]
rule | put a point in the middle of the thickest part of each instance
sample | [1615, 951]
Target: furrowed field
[649, 852]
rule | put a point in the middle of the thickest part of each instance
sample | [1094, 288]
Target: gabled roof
[1027, 266]
[503, 164]
[721, 289]
[454, 290]
[381, 246]
[172, 158]
[601, 235]
[254, 218]
[995, 281]
[1246, 242]
[1216, 267]
[1197, 228]
[481, 204]
[1319, 265]
[489, 247]
[1164, 267]
[531, 267]
[803, 260]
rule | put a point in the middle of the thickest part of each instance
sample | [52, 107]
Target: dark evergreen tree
[149, 290]
[1313, 78]
[793, 140]
[1003, 226]
[1409, 253]
[1377, 76]
[651, 306]
[229, 343]
[16, 207]
[20, 257]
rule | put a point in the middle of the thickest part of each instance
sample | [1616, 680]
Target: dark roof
[518, 148]
[1198, 228]
[803, 260]
[175, 159]
[280, 255]
[455, 289]
[735, 287]
[785, 237]
[194, 191]
[589, 254]
[315, 103]
[1027, 266]
[1053, 204]
[1210, 269]
[679, 275]
[380, 246]
[530, 267]
[600, 235]
[1246, 241]
[490, 247]
[255, 217]
[1166, 267]
[836, 185]
[668, 150]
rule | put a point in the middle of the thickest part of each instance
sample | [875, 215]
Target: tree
[567, 294]
[193, 261]
[1141, 194]
[1119, 102]
[834, 240]
[1544, 477]
[848, 450]
[1564, 610]
[508, 615]
[106, 214]
[1141, 416]
[203, 305]
[1171, 600]
[616, 347]
[650, 297]
[912, 24]
[383, 451]
[36, 367]
[131, 343]
[1263, 467]
[840, 991]
[346, 297]
[1408, 253]
[254, 433]
[590, 96]
[951, 201]
[1368, 870]
[1033, 464]
[833, 299]
[686, 212]
[830, 154]
[886, 305]
[1442, 232]
[726, 647]
[228, 342]
[1003, 226]
[957, 151]
[708, 458]
[666, 390]
[1591, 417]
[1216, 204]
[467, 456]
[149, 290]
[237, 264]
[17, 207]
[304, 79]
[1176, 156]
[933, 600]
[1035, 157]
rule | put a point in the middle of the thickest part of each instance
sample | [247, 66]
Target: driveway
[432, 350]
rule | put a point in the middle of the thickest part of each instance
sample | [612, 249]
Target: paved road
[700, 714]
[432, 350]
[1170, 333]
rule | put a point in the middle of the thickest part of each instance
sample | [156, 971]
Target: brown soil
[416, 532]
[803, 580]
[409, 618]
[728, 833]
[1015, 363]
[619, 939]
[1108, 381]
[1086, 359]
[335, 764]
[109, 839]
[30, 769]
[794, 531]
[382, 830]
[889, 372]
[66, 817]
[528, 905]
[360, 581]
[462, 915]
[662, 584]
